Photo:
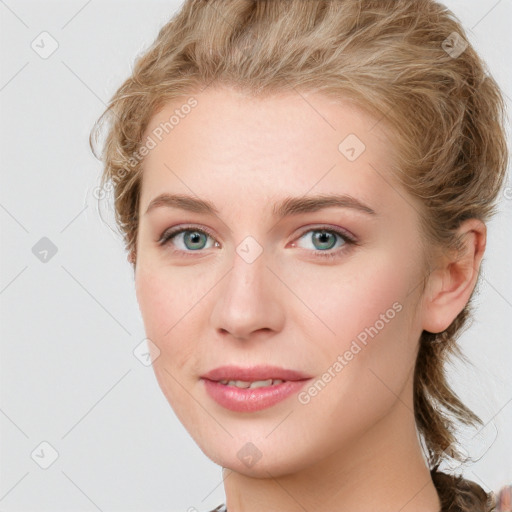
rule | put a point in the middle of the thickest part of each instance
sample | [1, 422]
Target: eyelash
[167, 236]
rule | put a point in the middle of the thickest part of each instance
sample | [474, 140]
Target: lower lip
[249, 400]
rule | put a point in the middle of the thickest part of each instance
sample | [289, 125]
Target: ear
[450, 286]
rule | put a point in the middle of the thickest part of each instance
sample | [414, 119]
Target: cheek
[168, 296]
[170, 305]
[157, 302]
[364, 336]
[346, 301]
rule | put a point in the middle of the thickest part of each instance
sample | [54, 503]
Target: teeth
[255, 384]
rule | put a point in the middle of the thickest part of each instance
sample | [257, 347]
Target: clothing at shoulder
[220, 508]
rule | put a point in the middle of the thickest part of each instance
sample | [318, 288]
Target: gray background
[69, 325]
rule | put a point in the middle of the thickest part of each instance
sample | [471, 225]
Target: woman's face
[257, 288]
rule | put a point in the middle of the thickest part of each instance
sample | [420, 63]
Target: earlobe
[450, 286]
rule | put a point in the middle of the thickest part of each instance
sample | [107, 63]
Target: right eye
[189, 239]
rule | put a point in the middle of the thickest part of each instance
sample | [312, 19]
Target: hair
[408, 64]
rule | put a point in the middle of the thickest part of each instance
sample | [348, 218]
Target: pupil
[320, 237]
[194, 237]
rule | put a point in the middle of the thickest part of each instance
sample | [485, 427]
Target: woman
[303, 187]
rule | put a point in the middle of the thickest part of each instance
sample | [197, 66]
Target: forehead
[234, 147]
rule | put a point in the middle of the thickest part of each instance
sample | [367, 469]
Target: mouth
[254, 376]
[254, 395]
[251, 384]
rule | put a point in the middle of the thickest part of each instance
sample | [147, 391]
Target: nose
[249, 299]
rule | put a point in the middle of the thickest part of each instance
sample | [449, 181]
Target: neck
[384, 469]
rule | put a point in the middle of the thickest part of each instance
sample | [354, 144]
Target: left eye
[324, 239]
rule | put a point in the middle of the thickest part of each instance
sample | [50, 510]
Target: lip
[250, 400]
[261, 372]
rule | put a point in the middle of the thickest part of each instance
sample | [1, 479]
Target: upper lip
[253, 373]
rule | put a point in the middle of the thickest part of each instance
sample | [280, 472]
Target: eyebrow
[287, 206]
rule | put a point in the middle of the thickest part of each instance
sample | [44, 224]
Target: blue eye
[193, 239]
[324, 240]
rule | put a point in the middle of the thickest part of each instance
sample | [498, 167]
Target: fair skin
[354, 446]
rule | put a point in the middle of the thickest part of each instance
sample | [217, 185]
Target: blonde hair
[408, 64]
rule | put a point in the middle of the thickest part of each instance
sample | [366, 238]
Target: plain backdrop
[69, 317]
